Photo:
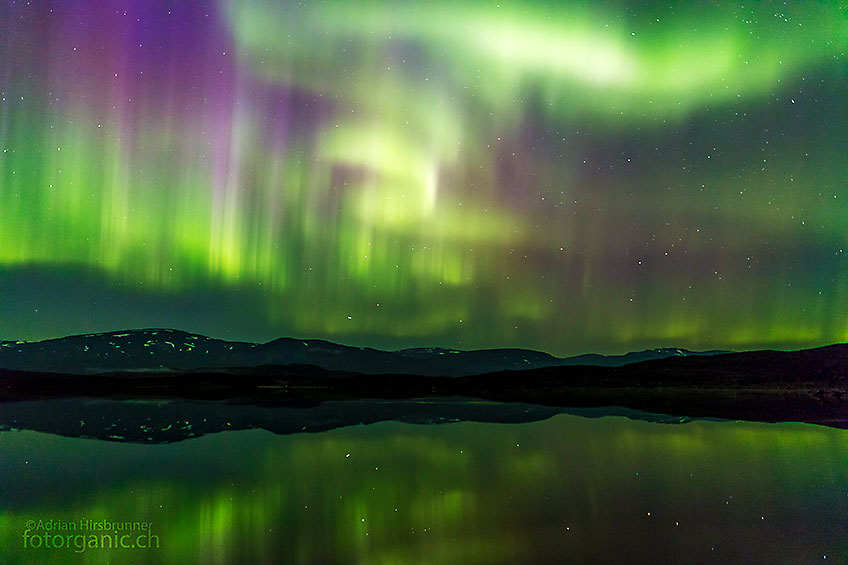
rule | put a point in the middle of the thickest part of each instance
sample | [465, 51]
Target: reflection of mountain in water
[172, 421]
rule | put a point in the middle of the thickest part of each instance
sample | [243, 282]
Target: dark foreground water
[565, 489]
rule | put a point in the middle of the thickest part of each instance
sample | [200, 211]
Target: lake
[567, 488]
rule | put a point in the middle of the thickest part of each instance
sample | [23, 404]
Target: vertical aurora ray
[563, 178]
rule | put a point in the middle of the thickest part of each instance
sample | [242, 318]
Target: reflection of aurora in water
[587, 489]
[567, 179]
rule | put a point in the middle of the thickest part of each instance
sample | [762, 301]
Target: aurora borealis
[566, 178]
[574, 489]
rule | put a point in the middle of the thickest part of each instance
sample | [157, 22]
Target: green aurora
[567, 178]
[568, 488]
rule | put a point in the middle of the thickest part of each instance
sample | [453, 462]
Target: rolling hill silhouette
[167, 365]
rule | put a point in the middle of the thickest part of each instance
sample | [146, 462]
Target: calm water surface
[566, 489]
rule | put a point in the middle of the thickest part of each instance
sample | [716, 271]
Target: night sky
[587, 177]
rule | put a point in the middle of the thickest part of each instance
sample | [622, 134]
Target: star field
[567, 178]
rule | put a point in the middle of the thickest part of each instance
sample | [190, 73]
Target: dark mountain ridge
[157, 349]
[808, 385]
